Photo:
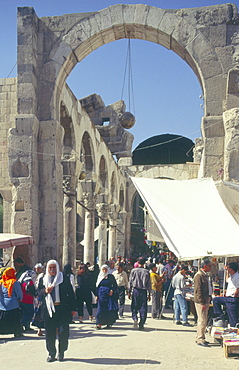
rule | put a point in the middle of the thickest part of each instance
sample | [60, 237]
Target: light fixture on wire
[127, 119]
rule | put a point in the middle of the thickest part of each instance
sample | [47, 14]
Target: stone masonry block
[95, 27]
[213, 126]
[96, 41]
[128, 13]
[116, 13]
[168, 23]
[215, 88]
[154, 17]
[141, 14]
[105, 19]
[108, 36]
[27, 125]
[60, 52]
[225, 55]
[151, 35]
[50, 71]
[210, 66]
[214, 146]
[83, 50]
[184, 33]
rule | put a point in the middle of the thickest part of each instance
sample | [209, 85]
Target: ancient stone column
[127, 234]
[69, 221]
[112, 230]
[89, 202]
[102, 209]
[120, 235]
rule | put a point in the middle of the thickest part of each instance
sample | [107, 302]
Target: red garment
[27, 298]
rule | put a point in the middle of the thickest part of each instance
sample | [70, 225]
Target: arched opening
[171, 101]
[103, 175]
[86, 155]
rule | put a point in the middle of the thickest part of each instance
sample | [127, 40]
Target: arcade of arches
[59, 180]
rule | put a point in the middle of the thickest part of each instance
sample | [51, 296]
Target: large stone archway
[206, 38]
[48, 49]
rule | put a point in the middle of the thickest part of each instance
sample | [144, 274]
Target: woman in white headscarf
[107, 309]
[58, 306]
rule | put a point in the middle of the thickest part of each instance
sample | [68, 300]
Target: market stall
[14, 240]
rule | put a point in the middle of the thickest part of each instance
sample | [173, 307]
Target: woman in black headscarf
[84, 292]
[68, 274]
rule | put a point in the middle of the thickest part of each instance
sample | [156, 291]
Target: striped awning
[12, 240]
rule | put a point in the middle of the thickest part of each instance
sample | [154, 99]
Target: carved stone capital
[103, 209]
[68, 185]
[89, 200]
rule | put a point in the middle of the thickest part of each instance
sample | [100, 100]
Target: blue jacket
[10, 303]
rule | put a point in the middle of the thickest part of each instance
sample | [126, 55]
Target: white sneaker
[135, 324]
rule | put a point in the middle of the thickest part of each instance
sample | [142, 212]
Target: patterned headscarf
[8, 279]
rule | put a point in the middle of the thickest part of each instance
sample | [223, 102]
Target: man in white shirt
[112, 267]
[231, 300]
[180, 303]
[122, 282]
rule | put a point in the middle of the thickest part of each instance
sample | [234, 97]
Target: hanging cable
[11, 70]
[128, 69]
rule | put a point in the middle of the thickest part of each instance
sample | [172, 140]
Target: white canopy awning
[12, 240]
[191, 216]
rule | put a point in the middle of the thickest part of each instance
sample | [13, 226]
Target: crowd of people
[49, 299]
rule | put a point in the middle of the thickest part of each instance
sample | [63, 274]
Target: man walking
[202, 293]
[156, 292]
[167, 285]
[58, 308]
[231, 301]
[122, 282]
[180, 303]
[139, 281]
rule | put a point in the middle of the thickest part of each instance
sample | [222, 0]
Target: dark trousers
[56, 322]
[168, 292]
[121, 298]
[232, 305]
[27, 312]
[87, 298]
[139, 304]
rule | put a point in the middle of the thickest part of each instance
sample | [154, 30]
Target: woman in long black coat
[107, 309]
[84, 292]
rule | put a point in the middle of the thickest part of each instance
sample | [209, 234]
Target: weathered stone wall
[8, 110]
[231, 165]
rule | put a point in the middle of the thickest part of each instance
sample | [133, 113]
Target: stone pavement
[162, 345]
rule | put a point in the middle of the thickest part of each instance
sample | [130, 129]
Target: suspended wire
[11, 70]
[26, 151]
[129, 72]
[128, 68]
[177, 138]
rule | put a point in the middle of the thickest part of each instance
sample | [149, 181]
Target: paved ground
[162, 345]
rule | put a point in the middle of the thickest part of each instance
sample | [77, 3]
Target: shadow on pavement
[113, 361]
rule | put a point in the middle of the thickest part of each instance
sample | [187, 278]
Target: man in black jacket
[58, 307]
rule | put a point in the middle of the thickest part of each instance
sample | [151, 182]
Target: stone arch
[87, 154]
[176, 30]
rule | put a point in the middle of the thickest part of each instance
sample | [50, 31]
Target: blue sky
[166, 91]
